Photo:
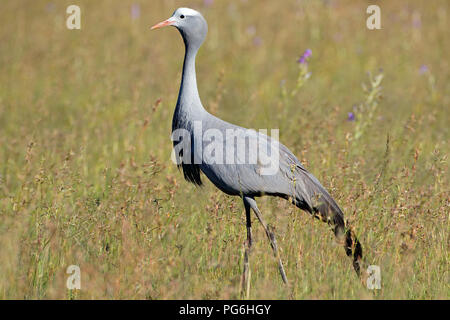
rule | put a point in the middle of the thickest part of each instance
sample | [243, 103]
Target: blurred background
[85, 171]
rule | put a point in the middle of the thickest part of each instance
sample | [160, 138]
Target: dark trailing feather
[326, 209]
[191, 173]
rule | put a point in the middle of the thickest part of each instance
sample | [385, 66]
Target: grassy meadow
[86, 177]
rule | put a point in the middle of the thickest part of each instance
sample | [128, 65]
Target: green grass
[85, 170]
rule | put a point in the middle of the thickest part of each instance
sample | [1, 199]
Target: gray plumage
[291, 181]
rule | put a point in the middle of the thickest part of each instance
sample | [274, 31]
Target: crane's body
[241, 177]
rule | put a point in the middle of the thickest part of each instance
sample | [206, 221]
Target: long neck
[189, 106]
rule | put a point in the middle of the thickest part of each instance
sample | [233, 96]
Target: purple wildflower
[416, 20]
[257, 41]
[50, 7]
[135, 11]
[423, 69]
[304, 57]
[351, 116]
[208, 3]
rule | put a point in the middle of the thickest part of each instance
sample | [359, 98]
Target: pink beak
[168, 22]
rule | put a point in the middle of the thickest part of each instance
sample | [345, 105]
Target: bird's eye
[182, 16]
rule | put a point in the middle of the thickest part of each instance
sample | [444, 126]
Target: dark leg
[245, 282]
[270, 235]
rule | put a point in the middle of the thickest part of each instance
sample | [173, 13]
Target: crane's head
[190, 23]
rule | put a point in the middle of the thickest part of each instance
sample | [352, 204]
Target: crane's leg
[270, 235]
[245, 283]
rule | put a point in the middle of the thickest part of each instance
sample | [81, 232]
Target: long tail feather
[312, 197]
